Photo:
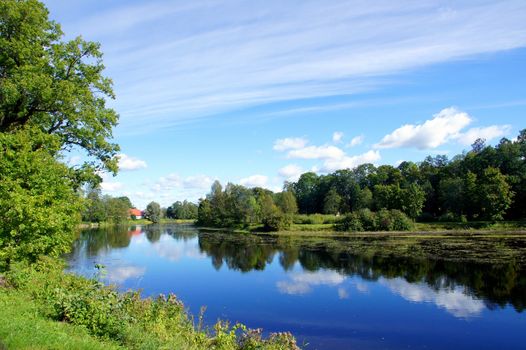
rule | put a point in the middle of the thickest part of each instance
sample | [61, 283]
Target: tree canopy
[54, 85]
[52, 99]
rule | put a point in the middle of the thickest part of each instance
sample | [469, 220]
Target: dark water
[327, 294]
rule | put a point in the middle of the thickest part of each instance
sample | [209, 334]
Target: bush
[350, 222]
[383, 220]
[368, 220]
[160, 323]
[400, 221]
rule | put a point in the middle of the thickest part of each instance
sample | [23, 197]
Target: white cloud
[274, 51]
[254, 181]
[289, 143]
[174, 180]
[302, 283]
[488, 133]
[109, 186]
[130, 163]
[316, 152]
[337, 136]
[454, 300]
[291, 172]
[444, 126]
[198, 181]
[358, 140]
[345, 162]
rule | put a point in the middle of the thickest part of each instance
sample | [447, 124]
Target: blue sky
[258, 92]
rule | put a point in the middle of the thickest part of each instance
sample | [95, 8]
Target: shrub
[400, 221]
[350, 222]
[159, 323]
[383, 220]
[368, 220]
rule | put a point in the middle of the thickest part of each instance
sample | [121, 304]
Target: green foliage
[383, 220]
[153, 212]
[133, 322]
[105, 208]
[53, 85]
[332, 202]
[182, 210]
[495, 194]
[38, 204]
[22, 326]
[315, 219]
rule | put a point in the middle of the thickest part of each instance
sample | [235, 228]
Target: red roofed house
[135, 213]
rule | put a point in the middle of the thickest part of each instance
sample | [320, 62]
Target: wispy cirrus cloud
[193, 63]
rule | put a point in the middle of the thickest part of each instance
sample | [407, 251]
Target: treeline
[486, 183]
[99, 208]
[240, 207]
[182, 211]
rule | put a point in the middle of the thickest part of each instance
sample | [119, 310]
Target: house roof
[134, 211]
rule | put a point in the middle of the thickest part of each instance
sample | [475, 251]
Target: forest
[487, 183]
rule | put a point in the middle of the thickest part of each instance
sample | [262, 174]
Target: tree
[39, 206]
[55, 86]
[332, 202]
[306, 191]
[287, 203]
[95, 210]
[116, 209]
[412, 199]
[153, 212]
[495, 194]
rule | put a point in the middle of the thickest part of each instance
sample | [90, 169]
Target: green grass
[45, 308]
[22, 326]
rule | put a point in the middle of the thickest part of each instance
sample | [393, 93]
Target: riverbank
[432, 228]
[45, 308]
[134, 222]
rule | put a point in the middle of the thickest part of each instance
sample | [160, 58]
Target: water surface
[331, 294]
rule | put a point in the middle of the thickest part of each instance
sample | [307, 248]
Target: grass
[45, 308]
[22, 326]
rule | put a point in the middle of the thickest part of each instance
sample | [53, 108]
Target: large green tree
[54, 85]
[153, 212]
[52, 99]
[39, 206]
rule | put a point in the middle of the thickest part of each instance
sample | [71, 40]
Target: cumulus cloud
[109, 186]
[358, 140]
[454, 301]
[289, 143]
[130, 163]
[254, 181]
[302, 283]
[333, 157]
[345, 161]
[291, 172]
[444, 126]
[337, 136]
[316, 152]
[174, 180]
[487, 133]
